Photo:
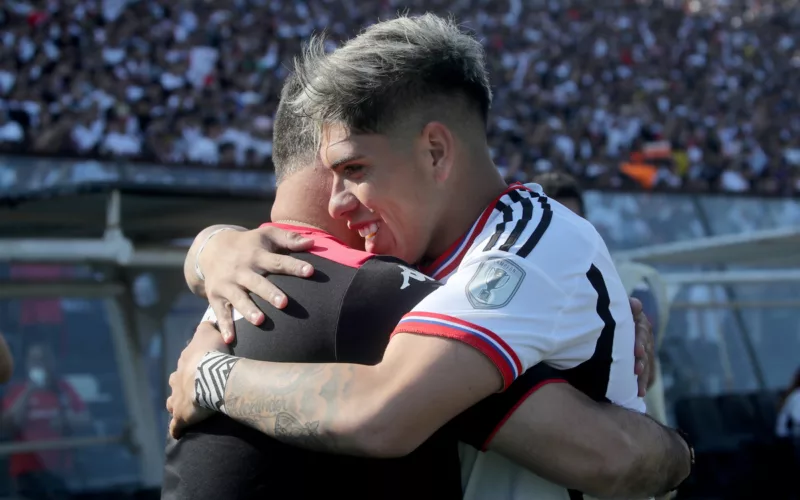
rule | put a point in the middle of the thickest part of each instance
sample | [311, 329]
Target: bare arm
[6, 361]
[386, 410]
[603, 450]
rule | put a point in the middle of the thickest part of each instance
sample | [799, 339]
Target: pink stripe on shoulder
[328, 246]
[331, 249]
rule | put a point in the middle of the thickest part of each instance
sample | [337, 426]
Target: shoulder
[527, 224]
[334, 250]
[393, 276]
[382, 291]
[327, 246]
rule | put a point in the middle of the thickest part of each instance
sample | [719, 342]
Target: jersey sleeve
[479, 424]
[509, 309]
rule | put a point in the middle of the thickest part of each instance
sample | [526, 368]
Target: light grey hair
[294, 145]
[421, 68]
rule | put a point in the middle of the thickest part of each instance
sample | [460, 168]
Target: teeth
[369, 230]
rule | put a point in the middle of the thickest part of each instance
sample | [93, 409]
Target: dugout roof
[53, 198]
[772, 248]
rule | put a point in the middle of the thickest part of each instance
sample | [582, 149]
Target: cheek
[365, 194]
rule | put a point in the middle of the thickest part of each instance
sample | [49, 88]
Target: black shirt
[335, 316]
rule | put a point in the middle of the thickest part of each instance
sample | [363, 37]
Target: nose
[342, 202]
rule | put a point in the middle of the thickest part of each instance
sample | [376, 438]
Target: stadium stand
[644, 93]
[142, 102]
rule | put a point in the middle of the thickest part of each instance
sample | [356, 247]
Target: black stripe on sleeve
[544, 223]
[592, 376]
[527, 215]
[508, 215]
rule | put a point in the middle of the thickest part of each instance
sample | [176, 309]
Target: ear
[439, 150]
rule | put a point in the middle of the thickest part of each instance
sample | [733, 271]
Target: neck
[477, 186]
[292, 222]
[302, 185]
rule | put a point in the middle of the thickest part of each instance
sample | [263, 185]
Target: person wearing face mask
[42, 407]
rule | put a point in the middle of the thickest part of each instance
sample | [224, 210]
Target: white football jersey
[532, 282]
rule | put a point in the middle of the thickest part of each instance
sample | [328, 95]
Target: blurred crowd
[660, 94]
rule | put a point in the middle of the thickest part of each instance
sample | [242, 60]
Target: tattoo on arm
[296, 404]
[289, 429]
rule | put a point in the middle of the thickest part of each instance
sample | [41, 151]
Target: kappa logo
[494, 284]
[210, 315]
[412, 274]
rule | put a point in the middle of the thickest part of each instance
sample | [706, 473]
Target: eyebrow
[345, 160]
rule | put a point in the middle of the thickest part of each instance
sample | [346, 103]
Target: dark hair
[293, 141]
[560, 186]
[424, 64]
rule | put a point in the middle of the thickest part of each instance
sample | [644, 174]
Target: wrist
[688, 448]
[206, 248]
[211, 380]
[687, 452]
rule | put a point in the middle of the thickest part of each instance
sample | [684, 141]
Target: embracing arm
[386, 410]
[603, 450]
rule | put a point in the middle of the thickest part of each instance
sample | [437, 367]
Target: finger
[169, 405]
[636, 305]
[651, 364]
[283, 264]
[224, 315]
[240, 299]
[263, 287]
[281, 239]
[642, 380]
[173, 379]
[173, 428]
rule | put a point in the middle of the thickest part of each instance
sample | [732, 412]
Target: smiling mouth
[369, 231]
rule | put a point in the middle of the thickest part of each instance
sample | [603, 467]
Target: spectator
[43, 407]
[667, 94]
[788, 424]
[563, 188]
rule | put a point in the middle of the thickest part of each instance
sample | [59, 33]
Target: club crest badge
[494, 284]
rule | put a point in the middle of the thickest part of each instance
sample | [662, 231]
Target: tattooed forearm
[291, 430]
[311, 406]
